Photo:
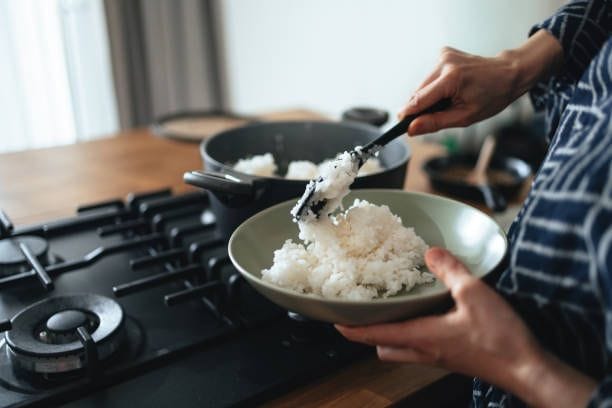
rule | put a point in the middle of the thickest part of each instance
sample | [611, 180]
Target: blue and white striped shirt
[559, 273]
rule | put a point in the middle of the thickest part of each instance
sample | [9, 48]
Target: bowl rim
[393, 300]
[355, 125]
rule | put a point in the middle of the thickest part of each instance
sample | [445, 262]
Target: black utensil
[310, 203]
[492, 198]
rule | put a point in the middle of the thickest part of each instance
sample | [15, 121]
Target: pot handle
[220, 182]
[493, 198]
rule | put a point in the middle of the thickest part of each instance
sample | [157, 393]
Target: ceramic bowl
[465, 231]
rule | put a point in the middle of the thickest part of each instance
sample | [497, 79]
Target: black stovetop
[194, 332]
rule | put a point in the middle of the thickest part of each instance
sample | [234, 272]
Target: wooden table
[45, 184]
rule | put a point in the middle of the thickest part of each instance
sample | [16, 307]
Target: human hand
[481, 336]
[480, 87]
[477, 337]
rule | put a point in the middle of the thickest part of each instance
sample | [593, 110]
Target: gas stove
[135, 303]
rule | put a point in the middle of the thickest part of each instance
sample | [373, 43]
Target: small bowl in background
[447, 174]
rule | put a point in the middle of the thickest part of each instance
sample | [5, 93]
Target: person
[543, 336]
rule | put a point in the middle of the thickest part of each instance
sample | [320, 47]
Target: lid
[196, 126]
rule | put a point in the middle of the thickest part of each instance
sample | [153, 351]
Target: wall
[330, 55]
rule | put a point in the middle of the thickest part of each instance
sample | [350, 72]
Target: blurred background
[75, 70]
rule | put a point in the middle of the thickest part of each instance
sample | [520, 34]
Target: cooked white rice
[260, 165]
[302, 170]
[360, 254]
[372, 165]
[332, 186]
[264, 165]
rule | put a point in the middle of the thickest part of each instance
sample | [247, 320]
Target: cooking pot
[494, 195]
[235, 196]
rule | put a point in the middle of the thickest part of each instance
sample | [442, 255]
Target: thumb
[446, 267]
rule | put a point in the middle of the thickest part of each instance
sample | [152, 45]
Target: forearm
[540, 56]
[545, 381]
[581, 27]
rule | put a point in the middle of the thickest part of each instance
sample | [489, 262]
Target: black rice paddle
[314, 201]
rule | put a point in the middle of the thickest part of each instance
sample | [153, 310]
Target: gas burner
[12, 258]
[61, 327]
[61, 334]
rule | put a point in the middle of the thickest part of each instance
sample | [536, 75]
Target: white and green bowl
[465, 231]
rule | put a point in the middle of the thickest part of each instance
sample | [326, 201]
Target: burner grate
[44, 273]
[160, 258]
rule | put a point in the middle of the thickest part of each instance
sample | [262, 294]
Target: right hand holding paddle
[480, 87]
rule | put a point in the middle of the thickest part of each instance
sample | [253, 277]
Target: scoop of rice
[360, 254]
[372, 165]
[260, 165]
[336, 177]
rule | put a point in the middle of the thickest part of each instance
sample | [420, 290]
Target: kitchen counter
[46, 184]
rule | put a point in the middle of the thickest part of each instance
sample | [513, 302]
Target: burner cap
[66, 321]
[42, 338]
[62, 326]
[10, 254]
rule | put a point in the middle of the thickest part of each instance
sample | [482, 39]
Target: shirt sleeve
[582, 27]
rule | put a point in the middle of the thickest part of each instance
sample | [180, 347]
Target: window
[55, 74]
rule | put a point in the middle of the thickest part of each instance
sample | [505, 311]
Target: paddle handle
[402, 126]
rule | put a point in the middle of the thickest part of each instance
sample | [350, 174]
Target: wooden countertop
[44, 184]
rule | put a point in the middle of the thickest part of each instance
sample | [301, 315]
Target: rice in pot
[260, 165]
[264, 165]
[302, 170]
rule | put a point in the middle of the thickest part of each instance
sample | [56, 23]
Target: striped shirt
[559, 272]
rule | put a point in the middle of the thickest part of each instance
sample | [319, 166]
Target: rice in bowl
[360, 254]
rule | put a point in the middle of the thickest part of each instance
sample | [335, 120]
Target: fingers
[404, 355]
[441, 87]
[435, 121]
[398, 334]
[446, 267]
